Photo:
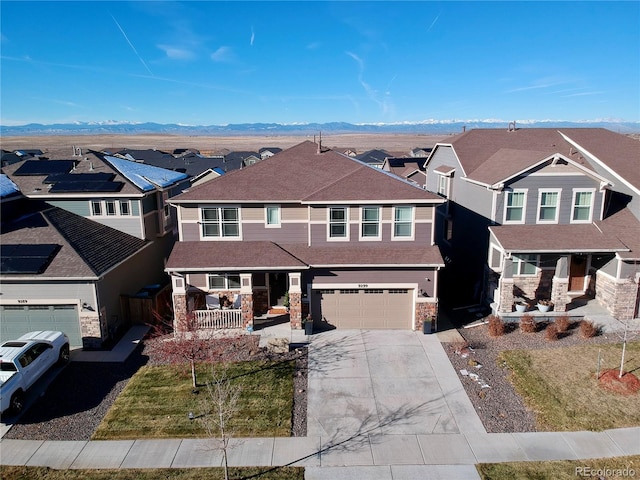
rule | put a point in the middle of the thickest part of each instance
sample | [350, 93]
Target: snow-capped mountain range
[424, 127]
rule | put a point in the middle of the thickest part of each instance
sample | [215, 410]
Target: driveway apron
[364, 383]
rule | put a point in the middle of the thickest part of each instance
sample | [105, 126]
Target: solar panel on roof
[70, 187]
[27, 258]
[45, 167]
[80, 177]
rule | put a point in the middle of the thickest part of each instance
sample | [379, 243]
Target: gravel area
[77, 400]
[499, 407]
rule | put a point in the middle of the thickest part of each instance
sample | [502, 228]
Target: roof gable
[302, 173]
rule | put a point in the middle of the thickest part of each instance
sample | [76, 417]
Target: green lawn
[256, 473]
[561, 470]
[560, 386]
[157, 400]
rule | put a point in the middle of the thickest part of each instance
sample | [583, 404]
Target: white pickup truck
[24, 361]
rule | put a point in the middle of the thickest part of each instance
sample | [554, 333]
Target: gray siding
[444, 156]
[423, 278]
[79, 207]
[48, 290]
[474, 197]
[610, 268]
[629, 270]
[422, 235]
[135, 208]
[190, 232]
[149, 204]
[130, 225]
[567, 183]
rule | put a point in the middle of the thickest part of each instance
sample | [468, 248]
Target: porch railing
[219, 318]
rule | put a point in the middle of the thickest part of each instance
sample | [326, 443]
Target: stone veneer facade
[91, 331]
[247, 310]
[295, 310]
[620, 297]
[425, 310]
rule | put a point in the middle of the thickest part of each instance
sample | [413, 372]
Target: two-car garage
[364, 308]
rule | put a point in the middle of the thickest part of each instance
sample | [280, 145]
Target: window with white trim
[443, 185]
[514, 206]
[220, 222]
[272, 216]
[403, 222]
[548, 206]
[125, 208]
[525, 264]
[226, 281]
[338, 222]
[110, 208]
[370, 223]
[96, 208]
[582, 209]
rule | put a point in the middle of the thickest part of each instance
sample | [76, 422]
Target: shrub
[528, 324]
[496, 326]
[562, 323]
[588, 329]
[551, 333]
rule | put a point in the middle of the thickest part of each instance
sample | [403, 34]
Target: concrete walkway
[382, 405]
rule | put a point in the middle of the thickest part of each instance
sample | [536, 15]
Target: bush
[588, 329]
[552, 333]
[562, 323]
[496, 326]
[528, 324]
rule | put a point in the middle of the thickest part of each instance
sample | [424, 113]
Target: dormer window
[444, 174]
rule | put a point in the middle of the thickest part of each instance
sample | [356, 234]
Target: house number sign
[363, 285]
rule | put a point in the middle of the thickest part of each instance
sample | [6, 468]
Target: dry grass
[557, 470]
[560, 386]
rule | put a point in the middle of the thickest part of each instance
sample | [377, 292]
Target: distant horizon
[215, 63]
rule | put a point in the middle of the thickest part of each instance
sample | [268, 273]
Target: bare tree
[188, 343]
[626, 335]
[219, 406]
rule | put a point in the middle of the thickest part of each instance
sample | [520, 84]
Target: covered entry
[20, 319]
[368, 308]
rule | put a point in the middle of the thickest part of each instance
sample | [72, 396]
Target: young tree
[219, 406]
[188, 343]
[625, 336]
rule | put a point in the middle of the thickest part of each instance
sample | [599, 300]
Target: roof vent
[512, 126]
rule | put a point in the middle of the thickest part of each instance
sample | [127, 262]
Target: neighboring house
[349, 243]
[539, 214]
[375, 158]
[420, 152]
[267, 152]
[238, 160]
[101, 204]
[61, 271]
[411, 169]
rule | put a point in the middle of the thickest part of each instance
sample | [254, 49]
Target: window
[525, 264]
[548, 206]
[338, 222]
[273, 215]
[124, 207]
[448, 229]
[110, 207]
[220, 222]
[224, 281]
[403, 222]
[370, 224]
[443, 185]
[582, 206]
[514, 207]
[96, 207]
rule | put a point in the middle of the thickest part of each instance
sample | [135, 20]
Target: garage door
[364, 308]
[20, 319]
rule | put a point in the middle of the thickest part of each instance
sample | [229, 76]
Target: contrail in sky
[132, 47]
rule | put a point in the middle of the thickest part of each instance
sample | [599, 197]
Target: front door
[577, 272]
[277, 288]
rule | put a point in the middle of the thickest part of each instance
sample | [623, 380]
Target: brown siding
[424, 212]
[252, 213]
[422, 235]
[189, 212]
[287, 233]
[294, 212]
[198, 280]
[190, 232]
[424, 278]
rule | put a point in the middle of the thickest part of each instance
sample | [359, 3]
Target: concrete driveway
[370, 383]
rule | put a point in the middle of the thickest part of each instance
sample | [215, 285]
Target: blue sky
[214, 63]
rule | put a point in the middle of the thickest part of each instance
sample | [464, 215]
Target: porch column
[505, 284]
[295, 299]
[246, 290]
[180, 310]
[560, 286]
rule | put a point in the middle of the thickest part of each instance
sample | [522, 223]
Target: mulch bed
[628, 384]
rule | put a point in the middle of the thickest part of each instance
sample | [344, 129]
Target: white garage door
[20, 319]
[364, 308]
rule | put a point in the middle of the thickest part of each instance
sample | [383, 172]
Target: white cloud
[177, 53]
[223, 54]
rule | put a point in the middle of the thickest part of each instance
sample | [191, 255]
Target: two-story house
[540, 214]
[88, 231]
[353, 243]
